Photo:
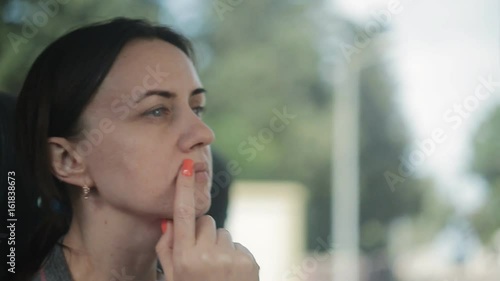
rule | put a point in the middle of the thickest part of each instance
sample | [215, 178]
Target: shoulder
[54, 267]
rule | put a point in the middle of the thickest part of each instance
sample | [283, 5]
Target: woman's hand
[194, 250]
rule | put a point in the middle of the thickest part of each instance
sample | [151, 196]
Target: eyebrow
[198, 91]
[168, 94]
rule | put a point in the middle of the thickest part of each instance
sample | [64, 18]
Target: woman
[109, 124]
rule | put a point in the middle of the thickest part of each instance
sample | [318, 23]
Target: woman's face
[141, 125]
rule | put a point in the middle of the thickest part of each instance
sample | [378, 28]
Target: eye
[157, 112]
[199, 110]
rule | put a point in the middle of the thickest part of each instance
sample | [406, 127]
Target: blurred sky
[441, 49]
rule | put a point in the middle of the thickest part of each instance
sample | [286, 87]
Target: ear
[67, 165]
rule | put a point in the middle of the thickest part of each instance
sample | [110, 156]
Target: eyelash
[199, 110]
[163, 109]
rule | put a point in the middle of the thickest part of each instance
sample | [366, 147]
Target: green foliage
[265, 57]
[25, 36]
[261, 66]
[382, 142]
[486, 162]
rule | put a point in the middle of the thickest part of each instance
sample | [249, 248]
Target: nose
[195, 134]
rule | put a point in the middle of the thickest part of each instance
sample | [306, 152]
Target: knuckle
[225, 259]
[204, 224]
[244, 261]
[198, 261]
[242, 248]
[206, 220]
[158, 248]
[224, 233]
[246, 257]
[225, 262]
[206, 257]
[184, 261]
[161, 247]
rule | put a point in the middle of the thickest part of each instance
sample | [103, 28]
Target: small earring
[86, 191]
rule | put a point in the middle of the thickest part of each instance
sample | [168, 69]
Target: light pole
[345, 173]
[345, 190]
[345, 155]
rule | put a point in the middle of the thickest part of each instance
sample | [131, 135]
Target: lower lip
[201, 176]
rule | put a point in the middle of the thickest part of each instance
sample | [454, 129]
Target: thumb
[164, 249]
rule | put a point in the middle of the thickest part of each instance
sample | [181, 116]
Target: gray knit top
[55, 267]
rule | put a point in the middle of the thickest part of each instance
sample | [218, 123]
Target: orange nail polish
[187, 167]
[163, 226]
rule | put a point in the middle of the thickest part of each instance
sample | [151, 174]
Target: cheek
[134, 173]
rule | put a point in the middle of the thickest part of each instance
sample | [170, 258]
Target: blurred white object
[269, 218]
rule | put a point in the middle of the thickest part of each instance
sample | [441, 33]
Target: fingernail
[163, 226]
[187, 167]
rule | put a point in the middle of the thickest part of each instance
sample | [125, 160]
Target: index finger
[184, 207]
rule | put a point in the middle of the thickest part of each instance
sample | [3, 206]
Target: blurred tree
[486, 162]
[265, 61]
[28, 26]
[265, 58]
[383, 142]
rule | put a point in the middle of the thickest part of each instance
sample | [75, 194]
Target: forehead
[150, 64]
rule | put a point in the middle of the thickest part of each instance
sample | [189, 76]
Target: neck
[108, 244]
